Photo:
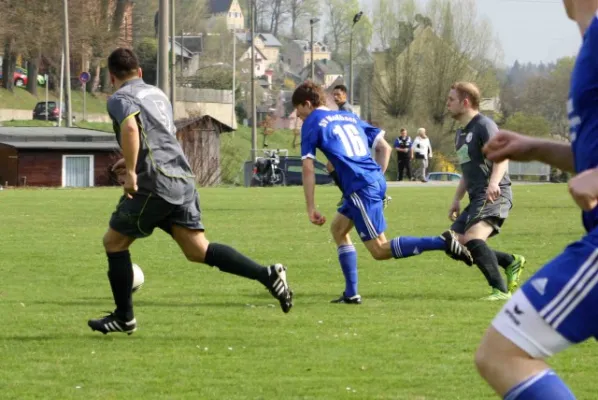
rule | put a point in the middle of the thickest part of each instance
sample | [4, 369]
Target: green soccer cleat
[497, 295]
[513, 272]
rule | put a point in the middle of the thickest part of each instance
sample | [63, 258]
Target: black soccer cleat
[454, 249]
[279, 288]
[111, 323]
[347, 300]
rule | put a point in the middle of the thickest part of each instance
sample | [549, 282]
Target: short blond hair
[470, 91]
[421, 130]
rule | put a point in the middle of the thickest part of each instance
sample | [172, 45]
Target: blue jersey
[582, 108]
[346, 141]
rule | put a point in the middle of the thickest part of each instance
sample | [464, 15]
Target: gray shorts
[139, 216]
[478, 210]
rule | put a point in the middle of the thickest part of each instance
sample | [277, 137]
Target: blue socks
[347, 256]
[545, 386]
[407, 246]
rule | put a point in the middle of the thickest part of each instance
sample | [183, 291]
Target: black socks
[504, 259]
[230, 260]
[120, 275]
[485, 258]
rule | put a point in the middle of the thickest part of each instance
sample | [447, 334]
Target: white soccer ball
[138, 278]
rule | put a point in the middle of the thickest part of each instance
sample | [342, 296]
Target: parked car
[41, 79]
[39, 112]
[444, 177]
[292, 167]
[19, 79]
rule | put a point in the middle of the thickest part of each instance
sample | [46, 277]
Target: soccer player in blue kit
[346, 140]
[556, 307]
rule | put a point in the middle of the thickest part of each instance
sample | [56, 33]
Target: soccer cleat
[111, 323]
[513, 272]
[279, 287]
[347, 300]
[456, 250]
[497, 295]
[386, 200]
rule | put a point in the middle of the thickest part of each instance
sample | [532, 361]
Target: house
[231, 10]
[59, 157]
[326, 72]
[200, 139]
[268, 44]
[262, 63]
[192, 47]
[297, 54]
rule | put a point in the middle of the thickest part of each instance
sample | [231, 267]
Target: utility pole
[67, 66]
[253, 101]
[234, 115]
[163, 46]
[356, 19]
[173, 60]
[312, 22]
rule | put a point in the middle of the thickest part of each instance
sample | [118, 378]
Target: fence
[534, 170]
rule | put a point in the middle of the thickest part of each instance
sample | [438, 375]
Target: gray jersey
[476, 168]
[162, 168]
[346, 107]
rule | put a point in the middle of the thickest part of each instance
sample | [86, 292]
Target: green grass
[21, 99]
[207, 335]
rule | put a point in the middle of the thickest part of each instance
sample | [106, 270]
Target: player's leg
[347, 256]
[553, 310]
[185, 226]
[408, 169]
[365, 209]
[133, 218]
[475, 238]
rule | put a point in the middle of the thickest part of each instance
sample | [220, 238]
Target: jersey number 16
[351, 139]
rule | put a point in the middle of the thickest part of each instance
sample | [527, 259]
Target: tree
[300, 12]
[529, 124]
[340, 15]
[459, 46]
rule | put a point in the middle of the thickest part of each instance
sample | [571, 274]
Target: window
[77, 170]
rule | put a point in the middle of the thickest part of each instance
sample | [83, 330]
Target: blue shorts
[558, 305]
[366, 209]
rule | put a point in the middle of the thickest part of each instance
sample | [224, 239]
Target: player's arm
[382, 153]
[309, 184]
[455, 209]
[514, 146]
[498, 172]
[130, 144]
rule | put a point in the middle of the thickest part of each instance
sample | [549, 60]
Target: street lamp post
[356, 19]
[312, 22]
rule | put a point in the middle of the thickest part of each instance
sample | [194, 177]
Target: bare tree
[299, 12]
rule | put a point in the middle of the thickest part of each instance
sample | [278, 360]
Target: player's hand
[119, 166]
[316, 218]
[509, 145]
[584, 189]
[455, 210]
[492, 192]
[130, 185]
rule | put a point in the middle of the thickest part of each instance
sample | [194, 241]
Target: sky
[529, 30]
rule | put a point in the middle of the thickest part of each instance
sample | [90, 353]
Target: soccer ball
[138, 278]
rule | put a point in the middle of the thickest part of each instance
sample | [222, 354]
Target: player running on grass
[341, 137]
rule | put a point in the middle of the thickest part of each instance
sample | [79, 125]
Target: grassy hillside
[21, 99]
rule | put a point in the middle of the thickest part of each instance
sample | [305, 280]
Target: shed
[200, 139]
[58, 157]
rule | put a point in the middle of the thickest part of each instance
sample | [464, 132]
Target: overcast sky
[529, 30]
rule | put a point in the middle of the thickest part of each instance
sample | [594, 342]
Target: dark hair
[123, 63]
[309, 91]
[403, 130]
[468, 90]
[342, 88]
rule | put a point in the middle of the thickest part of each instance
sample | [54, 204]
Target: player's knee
[113, 243]
[378, 253]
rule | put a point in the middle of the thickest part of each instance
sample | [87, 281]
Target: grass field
[21, 99]
[207, 335]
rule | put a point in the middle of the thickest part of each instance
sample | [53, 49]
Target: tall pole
[351, 68]
[60, 108]
[173, 60]
[163, 46]
[253, 102]
[234, 100]
[311, 45]
[67, 65]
